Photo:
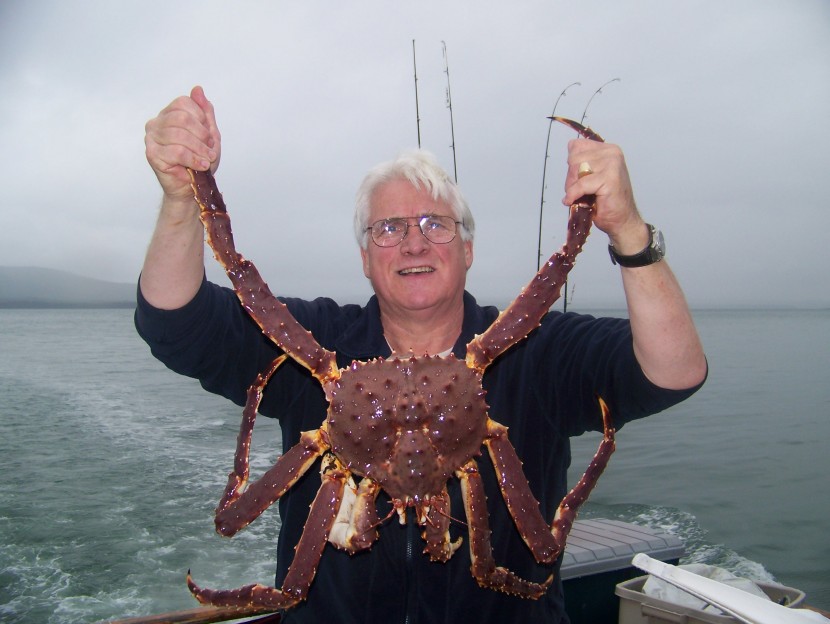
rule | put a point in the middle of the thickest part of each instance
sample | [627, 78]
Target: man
[543, 388]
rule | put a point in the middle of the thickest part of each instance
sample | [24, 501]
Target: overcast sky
[721, 109]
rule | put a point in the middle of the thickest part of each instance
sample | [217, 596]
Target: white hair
[422, 170]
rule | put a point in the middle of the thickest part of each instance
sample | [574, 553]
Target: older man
[416, 242]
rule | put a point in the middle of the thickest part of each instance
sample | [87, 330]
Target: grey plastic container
[601, 545]
[637, 608]
[598, 557]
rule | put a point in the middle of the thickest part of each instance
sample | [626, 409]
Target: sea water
[112, 466]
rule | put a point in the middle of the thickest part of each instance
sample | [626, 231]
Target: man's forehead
[400, 198]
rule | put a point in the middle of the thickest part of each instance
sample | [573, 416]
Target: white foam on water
[686, 527]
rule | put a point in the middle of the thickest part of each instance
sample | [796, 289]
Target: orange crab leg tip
[194, 589]
[578, 127]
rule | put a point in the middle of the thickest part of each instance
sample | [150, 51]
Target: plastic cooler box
[598, 557]
[638, 608]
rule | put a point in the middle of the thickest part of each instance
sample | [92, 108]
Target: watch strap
[653, 252]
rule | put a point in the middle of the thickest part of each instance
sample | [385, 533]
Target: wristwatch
[654, 251]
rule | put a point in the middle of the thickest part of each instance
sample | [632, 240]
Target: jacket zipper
[411, 605]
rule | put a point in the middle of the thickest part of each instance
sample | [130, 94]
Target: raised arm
[666, 342]
[184, 134]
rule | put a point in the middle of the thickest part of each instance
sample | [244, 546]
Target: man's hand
[184, 134]
[616, 212]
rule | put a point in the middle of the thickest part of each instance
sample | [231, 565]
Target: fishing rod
[417, 112]
[449, 105]
[582, 121]
[596, 93]
[544, 173]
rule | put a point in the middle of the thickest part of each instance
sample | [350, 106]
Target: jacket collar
[364, 340]
[476, 320]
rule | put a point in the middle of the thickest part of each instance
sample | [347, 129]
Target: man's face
[416, 274]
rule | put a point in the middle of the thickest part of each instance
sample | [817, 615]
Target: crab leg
[361, 531]
[520, 501]
[484, 567]
[578, 127]
[238, 477]
[261, 494]
[267, 311]
[241, 504]
[436, 531]
[306, 558]
[525, 313]
[546, 543]
[566, 512]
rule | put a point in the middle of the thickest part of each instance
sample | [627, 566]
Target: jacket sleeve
[593, 357]
[211, 339]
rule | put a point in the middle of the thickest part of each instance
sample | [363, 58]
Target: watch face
[659, 242]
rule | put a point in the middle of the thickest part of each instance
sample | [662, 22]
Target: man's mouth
[415, 270]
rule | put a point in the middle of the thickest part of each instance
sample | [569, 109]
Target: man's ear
[364, 257]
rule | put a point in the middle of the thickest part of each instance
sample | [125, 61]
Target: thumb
[198, 95]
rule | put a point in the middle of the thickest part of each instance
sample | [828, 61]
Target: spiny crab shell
[407, 423]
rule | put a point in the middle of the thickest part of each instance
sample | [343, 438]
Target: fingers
[184, 134]
[171, 141]
[583, 156]
[608, 180]
[198, 96]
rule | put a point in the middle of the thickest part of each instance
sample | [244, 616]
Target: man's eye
[390, 227]
[434, 224]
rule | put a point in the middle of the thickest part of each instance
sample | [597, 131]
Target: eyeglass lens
[436, 228]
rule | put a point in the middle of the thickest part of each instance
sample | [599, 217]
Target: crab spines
[522, 505]
[238, 478]
[272, 316]
[526, 312]
[356, 527]
[436, 533]
[568, 508]
[484, 567]
[584, 131]
[306, 556]
[239, 508]
[252, 598]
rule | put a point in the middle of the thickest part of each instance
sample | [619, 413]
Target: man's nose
[414, 240]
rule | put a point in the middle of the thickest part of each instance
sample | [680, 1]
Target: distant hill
[32, 287]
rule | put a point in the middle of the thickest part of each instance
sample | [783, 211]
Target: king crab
[404, 425]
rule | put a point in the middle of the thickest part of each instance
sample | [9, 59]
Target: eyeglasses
[436, 228]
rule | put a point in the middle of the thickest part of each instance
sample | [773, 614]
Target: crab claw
[575, 125]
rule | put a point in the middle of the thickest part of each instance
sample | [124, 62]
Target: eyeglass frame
[420, 220]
